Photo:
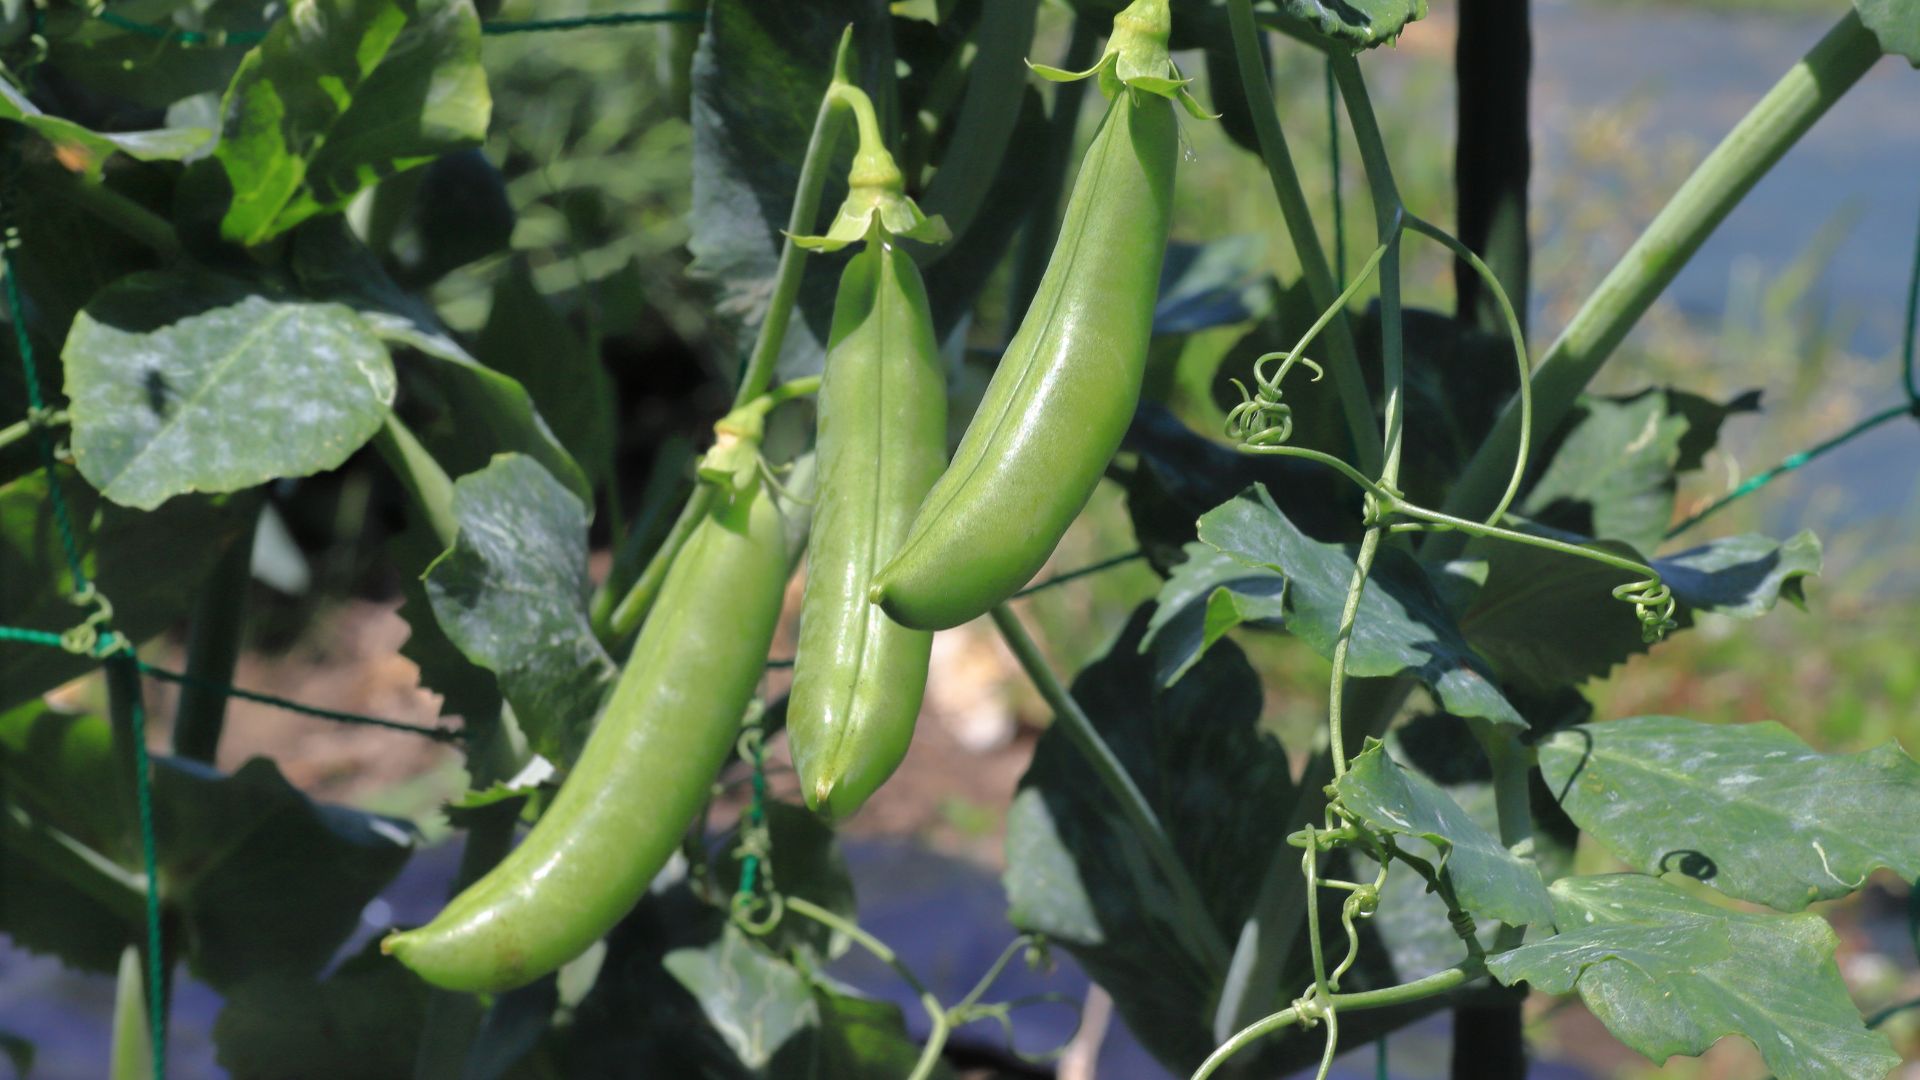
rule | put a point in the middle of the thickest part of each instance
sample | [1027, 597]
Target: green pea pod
[1066, 388]
[644, 773]
[859, 676]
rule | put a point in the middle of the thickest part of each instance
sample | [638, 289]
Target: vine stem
[122, 213]
[631, 611]
[1347, 376]
[936, 1013]
[1433, 985]
[1079, 729]
[1759, 140]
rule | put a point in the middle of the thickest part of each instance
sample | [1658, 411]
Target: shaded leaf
[528, 340]
[1490, 881]
[1077, 873]
[340, 94]
[1748, 809]
[486, 412]
[362, 1021]
[192, 382]
[84, 150]
[264, 878]
[758, 76]
[1403, 627]
[1544, 619]
[1669, 974]
[1610, 472]
[512, 596]
[1214, 284]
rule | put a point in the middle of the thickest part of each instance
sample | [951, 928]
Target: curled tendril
[1261, 418]
[91, 638]
[1653, 602]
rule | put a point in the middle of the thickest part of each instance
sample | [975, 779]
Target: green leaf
[184, 383]
[363, 1021]
[1355, 24]
[1748, 809]
[486, 412]
[860, 1037]
[1896, 23]
[1075, 869]
[1403, 627]
[122, 551]
[1544, 619]
[512, 596]
[19, 1051]
[341, 94]
[1610, 474]
[257, 877]
[527, 339]
[807, 864]
[1669, 974]
[1490, 881]
[754, 1000]
[87, 151]
[758, 76]
[264, 878]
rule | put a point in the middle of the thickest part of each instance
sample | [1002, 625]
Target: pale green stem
[1759, 140]
[936, 1014]
[1433, 985]
[1147, 829]
[1347, 376]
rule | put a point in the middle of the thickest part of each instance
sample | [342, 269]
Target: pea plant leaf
[512, 595]
[85, 150]
[340, 94]
[363, 1019]
[121, 550]
[756, 1002]
[1544, 619]
[758, 76]
[487, 412]
[1403, 627]
[1076, 871]
[184, 382]
[1490, 881]
[1748, 809]
[1893, 22]
[1670, 974]
[1611, 471]
[258, 877]
[1353, 24]
[527, 339]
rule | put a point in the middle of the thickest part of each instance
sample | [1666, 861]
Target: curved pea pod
[1064, 392]
[644, 773]
[859, 675]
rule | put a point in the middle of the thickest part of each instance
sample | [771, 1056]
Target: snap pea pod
[645, 771]
[1063, 395]
[859, 676]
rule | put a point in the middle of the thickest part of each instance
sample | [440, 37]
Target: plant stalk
[1758, 141]
[122, 213]
[1345, 366]
[213, 650]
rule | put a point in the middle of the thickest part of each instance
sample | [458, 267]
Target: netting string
[495, 28]
[1909, 381]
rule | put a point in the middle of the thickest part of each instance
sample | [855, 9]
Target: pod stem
[1196, 922]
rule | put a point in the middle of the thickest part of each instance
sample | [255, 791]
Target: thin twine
[1909, 380]
[756, 820]
[123, 657]
[219, 38]
[57, 641]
